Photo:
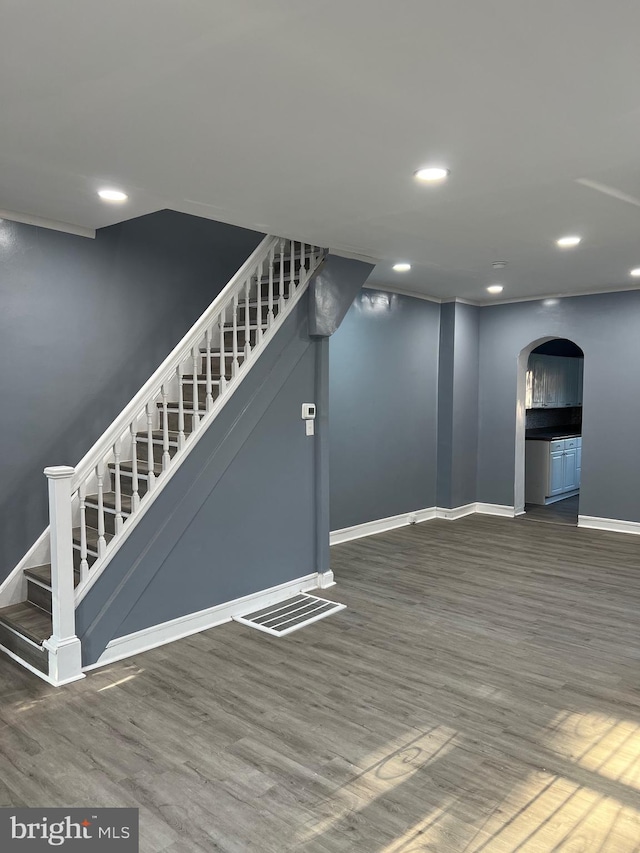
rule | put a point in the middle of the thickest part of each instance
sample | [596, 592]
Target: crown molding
[389, 288]
[356, 256]
[42, 222]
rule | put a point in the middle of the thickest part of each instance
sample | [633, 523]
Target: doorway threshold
[559, 512]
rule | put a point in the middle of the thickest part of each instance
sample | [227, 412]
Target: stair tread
[109, 500]
[28, 620]
[240, 326]
[92, 537]
[39, 573]
[142, 467]
[215, 353]
[188, 409]
[43, 575]
[158, 433]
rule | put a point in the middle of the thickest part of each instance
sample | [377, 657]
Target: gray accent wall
[458, 404]
[383, 368]
[332, 291]
[607, 329]
[84, 323]
[240, 514]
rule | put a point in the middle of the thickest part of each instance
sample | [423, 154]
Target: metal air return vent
[286, 616]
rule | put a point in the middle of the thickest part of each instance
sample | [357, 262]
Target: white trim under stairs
[193, 623]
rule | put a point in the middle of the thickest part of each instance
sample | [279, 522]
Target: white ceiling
[306, 118]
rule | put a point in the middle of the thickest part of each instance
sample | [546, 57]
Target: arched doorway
[549, 430]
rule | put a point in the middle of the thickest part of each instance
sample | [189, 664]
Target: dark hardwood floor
[480, 693]
[560, 512]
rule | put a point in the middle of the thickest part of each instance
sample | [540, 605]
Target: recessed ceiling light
[495, 288]
[568, 242]
[112, 195]
[403, 267]
[550, 302]
[635, 273]
[430, 174]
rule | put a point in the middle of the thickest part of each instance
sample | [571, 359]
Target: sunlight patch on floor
[608, 746]
[385, 769]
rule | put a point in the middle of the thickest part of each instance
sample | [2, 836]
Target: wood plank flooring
[481, 694]
[560, 512]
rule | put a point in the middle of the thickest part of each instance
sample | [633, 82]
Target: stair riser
[142, 451]
[109, 519]
[276, 291]
[91, 558]
[37, 657]
[126, 485]
[253, 315]
[215, 365]
[174, 421]
[39, 596]
[187, 393]
[228, 340]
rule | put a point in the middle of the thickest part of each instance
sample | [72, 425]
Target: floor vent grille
[290, 615]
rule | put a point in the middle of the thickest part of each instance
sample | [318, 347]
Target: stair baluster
[234, 333]
[292, 269]
[180, 408]
[195, 418]
[302, 269]
[135, 486]
[247, 319]
[102, 542]
[117, 486]
[207, 338]
[259, 302]
[151, 481]
[84, 563]
[281, 297]
[270, 296]
[166, 458]
[223, 357]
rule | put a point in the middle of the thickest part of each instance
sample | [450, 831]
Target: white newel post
[65, 658]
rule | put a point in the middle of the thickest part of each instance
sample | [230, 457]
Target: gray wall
[457, 404]
[607, 328]
[383, 366]
[240, 513]
[446, 362]
[465, 405]
[83, 324]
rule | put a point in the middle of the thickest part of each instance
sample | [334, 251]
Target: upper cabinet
[554, 382]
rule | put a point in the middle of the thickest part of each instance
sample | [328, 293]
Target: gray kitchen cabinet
[554, 382]
[552, 469]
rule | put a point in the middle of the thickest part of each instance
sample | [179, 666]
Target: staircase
[94, 507]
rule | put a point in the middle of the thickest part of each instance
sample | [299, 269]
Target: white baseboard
[614, 525]
[326, 580]
[456, 512]
[496, 509]
[193, 623]
[381, 525]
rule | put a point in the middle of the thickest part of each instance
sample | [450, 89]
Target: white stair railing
[116, 481]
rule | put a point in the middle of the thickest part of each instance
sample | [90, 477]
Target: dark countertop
[551, 433]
